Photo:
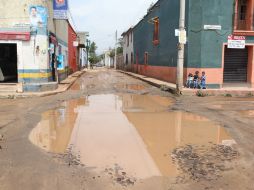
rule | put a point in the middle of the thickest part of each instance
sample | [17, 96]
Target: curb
[163, 87]
[62, 87]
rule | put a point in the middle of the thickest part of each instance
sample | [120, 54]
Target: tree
[112, 53]
[93, 58]
[93, 48]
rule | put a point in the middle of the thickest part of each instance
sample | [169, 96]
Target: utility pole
[182, 42]
[115, 51]
[87, 53]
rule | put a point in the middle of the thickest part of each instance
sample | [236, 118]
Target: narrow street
[111, 131]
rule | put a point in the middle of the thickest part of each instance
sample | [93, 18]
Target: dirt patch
[1, 141]
[69, 158]
[120, 176]
[203, 163]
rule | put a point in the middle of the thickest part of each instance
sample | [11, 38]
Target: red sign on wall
[23, 36]
[231, 37]
[236, 42]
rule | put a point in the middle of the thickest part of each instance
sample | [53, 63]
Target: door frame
[250, 64]
[19, 55]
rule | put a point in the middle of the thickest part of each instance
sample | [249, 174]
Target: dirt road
[111, 131]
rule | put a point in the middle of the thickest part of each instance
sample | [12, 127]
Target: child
[196, 79]
[203, 81]
[189, 82]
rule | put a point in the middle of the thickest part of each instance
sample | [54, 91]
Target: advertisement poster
[60, 9]
[236, 42]
[38, 18]
[60, 62]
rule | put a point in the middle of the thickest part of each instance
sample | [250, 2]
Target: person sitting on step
[203, 81]
[196, 80]
[189, 82]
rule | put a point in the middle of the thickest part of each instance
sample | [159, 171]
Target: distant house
[108, 60]
[209, 24]
[83, 61]
[128, 51]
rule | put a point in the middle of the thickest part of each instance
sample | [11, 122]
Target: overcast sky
[101, 18]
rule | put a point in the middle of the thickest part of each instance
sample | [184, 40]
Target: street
[110, 131]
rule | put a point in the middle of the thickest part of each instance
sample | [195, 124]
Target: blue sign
[60, 9]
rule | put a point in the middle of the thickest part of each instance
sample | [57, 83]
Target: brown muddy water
[134, 132]
[247, 113]
[135, 87]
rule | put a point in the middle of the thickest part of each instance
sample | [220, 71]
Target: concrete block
[40, 87]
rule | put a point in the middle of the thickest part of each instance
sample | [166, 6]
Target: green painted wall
[165, 54]
[204, 48]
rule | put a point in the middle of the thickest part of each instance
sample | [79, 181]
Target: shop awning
[23, 36]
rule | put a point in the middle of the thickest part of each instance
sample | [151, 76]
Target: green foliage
[201, 93]
[93, 58]
[93, 48]
[112, 53]
[228, 95]
[119, 50]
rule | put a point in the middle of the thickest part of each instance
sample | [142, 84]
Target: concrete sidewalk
[230, 91]
[62, 87]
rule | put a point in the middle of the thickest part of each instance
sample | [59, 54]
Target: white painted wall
[128, 49]
[108, 61]
[83, 57]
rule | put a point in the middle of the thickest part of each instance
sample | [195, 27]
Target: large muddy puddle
[247, 113]
[134, 132]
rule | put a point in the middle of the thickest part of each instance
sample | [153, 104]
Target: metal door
[235, 65]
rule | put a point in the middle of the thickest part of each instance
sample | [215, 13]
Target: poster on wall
[38, 18]
[60, 62]
[60, 9]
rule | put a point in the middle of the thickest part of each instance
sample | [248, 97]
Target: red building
[72, 50]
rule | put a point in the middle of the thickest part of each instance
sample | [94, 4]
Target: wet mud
[113, 132]
[200, 163]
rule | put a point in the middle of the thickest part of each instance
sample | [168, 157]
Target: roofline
[146, 14]
[124, 33]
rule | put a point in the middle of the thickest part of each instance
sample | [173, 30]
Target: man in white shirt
[35, 18]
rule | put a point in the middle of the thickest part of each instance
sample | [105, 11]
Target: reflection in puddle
[247, 113]
[133, 131]
[54, 131]
[136, 87]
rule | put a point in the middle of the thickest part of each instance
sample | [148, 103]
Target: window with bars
[244, 15]
[128, 40]
[126, 59]
[156, 31]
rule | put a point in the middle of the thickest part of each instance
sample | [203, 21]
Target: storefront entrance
[235, 65]
[8, 63]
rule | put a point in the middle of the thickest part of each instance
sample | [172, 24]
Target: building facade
[73, 49]
[108, 60]
[209, 24]
[83, 55]
[128, 51]
[34, 46]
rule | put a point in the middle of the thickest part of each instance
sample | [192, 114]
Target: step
[8, 87]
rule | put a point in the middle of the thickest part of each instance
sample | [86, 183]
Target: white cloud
[103, 17]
